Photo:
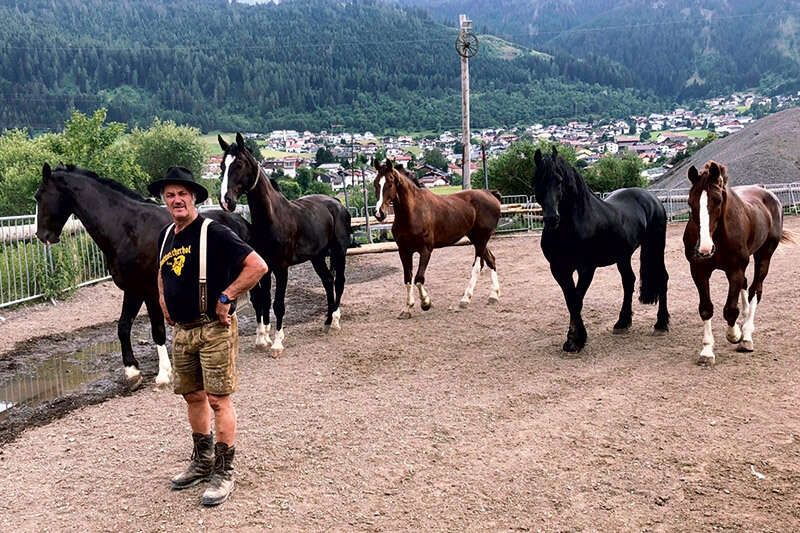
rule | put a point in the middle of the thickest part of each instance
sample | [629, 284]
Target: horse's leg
[338, 262]
[159, 333]
[407, 259]
[706, 310]
[281, 279]
[130, 308]
[488, 259]
[762, 258]
[325, 275]
[477, 266]
[419, 279]
[564, 279]
[736, 283]
[628, 283]
[260, 298]
[585, 276]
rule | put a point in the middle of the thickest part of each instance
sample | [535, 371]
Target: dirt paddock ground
[456, 420]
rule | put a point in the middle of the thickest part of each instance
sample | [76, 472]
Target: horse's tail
[652, 270]
[789, 237]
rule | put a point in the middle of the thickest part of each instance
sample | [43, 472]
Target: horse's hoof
[263, 346]
[706, 360]
[572, 347]
[493, 300]
[404, 314]
[734, 335]
[134, 382]
[463, 304]
[426, 306]
[326, 328]
[276, 353]
[660, 332]
[745, 346]
[162, 384]
[620, 330]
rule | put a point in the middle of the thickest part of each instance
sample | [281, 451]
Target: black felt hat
[180, 176]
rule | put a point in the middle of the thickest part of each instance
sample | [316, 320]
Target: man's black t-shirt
[180, 267]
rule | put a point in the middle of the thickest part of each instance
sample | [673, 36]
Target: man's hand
[222, 313]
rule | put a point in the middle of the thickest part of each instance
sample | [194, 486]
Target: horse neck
[407, 194]
[732, 211]
[577, 202]
[91, 212]
[265, 202]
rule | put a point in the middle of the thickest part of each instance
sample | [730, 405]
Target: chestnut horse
[424, 221]
[726, 226]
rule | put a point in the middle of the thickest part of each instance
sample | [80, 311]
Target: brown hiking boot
[221, 484]
[202, 463]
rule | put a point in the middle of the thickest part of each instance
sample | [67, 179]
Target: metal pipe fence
[27, 266]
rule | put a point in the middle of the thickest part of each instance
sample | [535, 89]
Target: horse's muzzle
[227, 203]
[380, 216]
[705, 255]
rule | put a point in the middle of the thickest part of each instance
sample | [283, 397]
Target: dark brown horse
[312, 228]
[424, 221]
[726, 226]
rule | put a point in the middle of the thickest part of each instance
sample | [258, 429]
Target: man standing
[206, 337]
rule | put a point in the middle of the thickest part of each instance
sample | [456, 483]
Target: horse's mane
[578, 184]
[410, 176]
[111, 184]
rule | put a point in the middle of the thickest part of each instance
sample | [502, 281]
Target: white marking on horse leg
[749, 325]
[277, 344]
[335, 318]
[494, 296]
[706, 243]
[473, 280]
[406, 312]
[424, 298]
[707, 353]
[262, 335]
[132, 373]
[745, 305]
[164, 367]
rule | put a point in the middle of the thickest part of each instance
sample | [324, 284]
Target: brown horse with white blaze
[727, 225]
[424, 221]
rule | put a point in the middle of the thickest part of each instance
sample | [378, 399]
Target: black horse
[582, 232]
[286, 233]
[125, 226]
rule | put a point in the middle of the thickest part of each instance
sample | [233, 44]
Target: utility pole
[483, 157]
[466, 46]
[366, 205]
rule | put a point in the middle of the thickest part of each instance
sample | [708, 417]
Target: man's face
[180, 202]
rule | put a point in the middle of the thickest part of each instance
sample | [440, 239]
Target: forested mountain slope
[678, 48]
[301, 64]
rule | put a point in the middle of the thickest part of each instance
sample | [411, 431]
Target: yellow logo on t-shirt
[178, 256]
[177, 264]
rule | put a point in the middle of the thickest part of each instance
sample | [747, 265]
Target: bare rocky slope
[766, 151]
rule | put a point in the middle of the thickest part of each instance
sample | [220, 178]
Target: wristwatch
[223, 299]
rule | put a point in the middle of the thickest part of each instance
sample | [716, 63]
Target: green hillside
[304, 64]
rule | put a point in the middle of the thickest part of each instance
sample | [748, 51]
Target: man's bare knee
[195, 397]
[218, 402]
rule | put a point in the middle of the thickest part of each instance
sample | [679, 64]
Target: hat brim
[200, 192]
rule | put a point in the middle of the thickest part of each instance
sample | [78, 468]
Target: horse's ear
[555, 151]
[222, 143]
[693, 175]
[376, 163]
[239, 140]
[537, 156]
[46, 172]
[389, 164]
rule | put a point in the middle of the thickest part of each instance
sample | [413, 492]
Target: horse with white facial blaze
[310, 228]
[726, 226]
[424, 221]
[582, 232]
[125, 226]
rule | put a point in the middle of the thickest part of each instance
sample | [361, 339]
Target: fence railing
[28, 267]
